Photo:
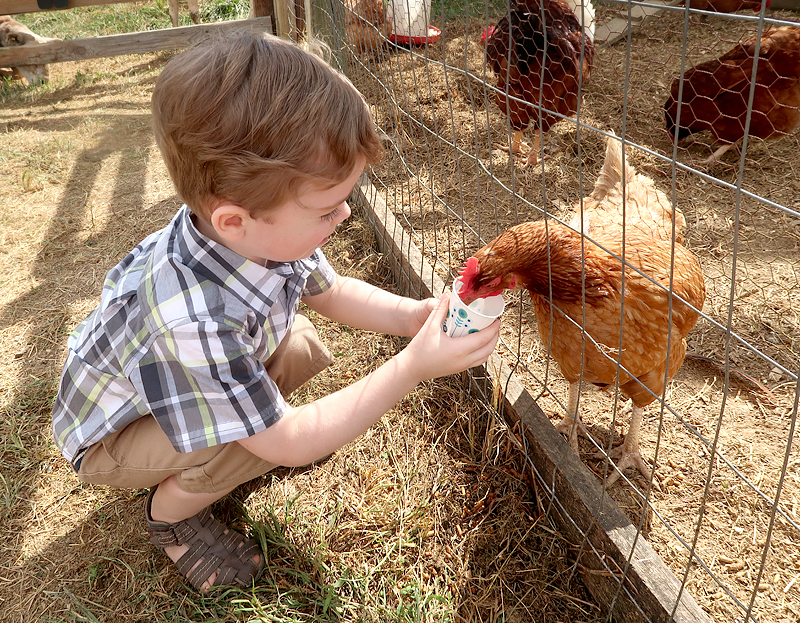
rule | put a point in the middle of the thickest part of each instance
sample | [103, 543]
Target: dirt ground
[455, 191]
[426, 517]
[82, 184]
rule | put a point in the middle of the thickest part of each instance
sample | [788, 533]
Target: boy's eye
[332, 214]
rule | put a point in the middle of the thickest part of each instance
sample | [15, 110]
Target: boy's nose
[346, 212]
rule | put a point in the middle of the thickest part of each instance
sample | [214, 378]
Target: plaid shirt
[181, 332]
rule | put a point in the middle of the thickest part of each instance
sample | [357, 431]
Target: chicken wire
[721, 509]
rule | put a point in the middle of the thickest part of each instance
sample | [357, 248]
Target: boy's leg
[142, 456]
[299, 357]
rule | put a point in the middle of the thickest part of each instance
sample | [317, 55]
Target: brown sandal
[211, 545]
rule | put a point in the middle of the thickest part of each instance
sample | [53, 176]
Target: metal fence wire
[708, 118]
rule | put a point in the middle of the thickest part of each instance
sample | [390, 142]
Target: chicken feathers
[368, 24]
[540, 55]
[634, 314]
[716, 93]
[725, 6]
[622, 195]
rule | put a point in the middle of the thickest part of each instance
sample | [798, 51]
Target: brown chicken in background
[540, 54]
[722, 6]
[367, 24]
[589, 288]
[725, 6]
[715, 93]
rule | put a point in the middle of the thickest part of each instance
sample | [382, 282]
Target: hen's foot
[532, 159]
[514, 148]
[626, 458]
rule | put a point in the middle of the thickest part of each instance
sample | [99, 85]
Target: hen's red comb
[469, 270]
[488, 32]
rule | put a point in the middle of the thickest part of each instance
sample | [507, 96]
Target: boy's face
[299, 226]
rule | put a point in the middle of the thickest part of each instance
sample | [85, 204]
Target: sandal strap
[229, 553]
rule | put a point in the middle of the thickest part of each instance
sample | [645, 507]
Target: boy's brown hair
[249, 118]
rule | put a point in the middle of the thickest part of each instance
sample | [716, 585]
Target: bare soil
[428, 516]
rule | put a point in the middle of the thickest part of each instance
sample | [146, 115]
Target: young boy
[178, 381]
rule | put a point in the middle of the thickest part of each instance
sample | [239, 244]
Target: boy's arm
[312, 431]
[358, 304]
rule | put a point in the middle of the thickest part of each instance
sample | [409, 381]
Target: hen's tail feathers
[621, 195]
[611, 175]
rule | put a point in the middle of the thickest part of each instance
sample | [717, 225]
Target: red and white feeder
[411, 19]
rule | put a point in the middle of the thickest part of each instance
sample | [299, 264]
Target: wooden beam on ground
[129, 43]
[650, 592]
[416, 276]
[617, 28]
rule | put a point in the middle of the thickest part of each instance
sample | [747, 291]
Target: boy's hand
[421, 314]
[432, 353]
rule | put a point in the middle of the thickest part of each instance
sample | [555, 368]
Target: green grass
[461, 10]
[114, 19]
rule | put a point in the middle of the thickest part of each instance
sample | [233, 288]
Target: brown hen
[367, 24]
[725, 6]
[635, 318]
[715, 93]
[541, 57]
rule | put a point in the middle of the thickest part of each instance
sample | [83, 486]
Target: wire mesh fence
[456, 86]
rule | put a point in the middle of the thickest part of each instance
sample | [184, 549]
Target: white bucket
[410, 17]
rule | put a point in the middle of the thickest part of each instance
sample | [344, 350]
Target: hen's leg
[517, 145]
[714, 158]
[628, 454]
[533, 154]
[571, 424]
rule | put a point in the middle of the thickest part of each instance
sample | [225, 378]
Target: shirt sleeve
[321, 278]
[205, 386]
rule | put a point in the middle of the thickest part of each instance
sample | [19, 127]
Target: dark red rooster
[715, 93]
[541, 57]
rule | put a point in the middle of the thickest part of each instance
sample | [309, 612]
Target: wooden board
[617, 564]
[13, 7]
[617, 28]
[792, 5]
[129, 43]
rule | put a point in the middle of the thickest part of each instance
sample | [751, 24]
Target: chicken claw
[516, 146]
[627, 454]
[628, 458]
[569, 427]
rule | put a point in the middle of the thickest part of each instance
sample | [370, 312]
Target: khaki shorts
[141, 456]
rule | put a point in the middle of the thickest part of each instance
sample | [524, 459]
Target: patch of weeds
[49, 156]
[223, 10]
[457, 10]
[83, 22]
[81, 79]
[30, 182]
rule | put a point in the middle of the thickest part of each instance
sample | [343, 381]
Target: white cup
[464, 319]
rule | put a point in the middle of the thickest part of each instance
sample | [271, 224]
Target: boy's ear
[229, 221]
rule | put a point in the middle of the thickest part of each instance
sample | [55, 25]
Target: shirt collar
[238, 273]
